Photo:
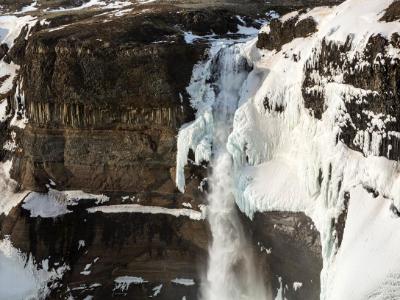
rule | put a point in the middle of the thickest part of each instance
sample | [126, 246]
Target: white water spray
[232, 274]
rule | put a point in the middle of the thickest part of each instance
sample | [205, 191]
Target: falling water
[231, 274]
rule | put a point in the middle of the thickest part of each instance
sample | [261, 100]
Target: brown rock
[3, 50]
[392, 13]
[158, 248]
[283, 33]
[293, 251]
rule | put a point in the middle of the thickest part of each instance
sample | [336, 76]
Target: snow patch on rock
[122, 283]
[21, 278]
[136, 208]
[54, 203]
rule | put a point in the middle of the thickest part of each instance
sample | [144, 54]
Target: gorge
[206, 150]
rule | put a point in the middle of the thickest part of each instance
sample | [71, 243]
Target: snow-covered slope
[287, 158]
[21, 278]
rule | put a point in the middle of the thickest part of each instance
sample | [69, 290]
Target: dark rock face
[158, 248]
[282, 33]
[17, 52]
[392, 13]
[3, 50]
[104, 106]
[375, 78]
[339, 224]
[122, 69]
[15, 4]
[218, 21]
[293, 248]
[330, 53]
[19, 4]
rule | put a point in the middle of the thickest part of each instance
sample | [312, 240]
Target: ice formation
[287, 160]
[21, 277]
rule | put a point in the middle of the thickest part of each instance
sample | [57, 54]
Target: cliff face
[158, 248]
[105, 103]
[326, 122]
[96, 106]
[104, 95]
[290, 248]
[373, 70]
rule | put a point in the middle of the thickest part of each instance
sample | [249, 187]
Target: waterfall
[232, 273]
[217, 87]
[231, 270]
[216, 90]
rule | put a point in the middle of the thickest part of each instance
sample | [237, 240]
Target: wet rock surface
[290, 248]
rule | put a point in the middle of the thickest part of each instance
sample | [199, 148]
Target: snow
[29, 8]
[9, 198]
[20, 277]
[187, 204]
[86, 271]
[73, 196]
[190, 37]
[54, 203]
[9, 70]
[289, 16]
[317, 13]
[367, 265]
[290, 161]
[157, 290]
[3, 108]
[96, 3]
[279, 156]
[145, 1]
[122, 283]
[245, 31]
[183, 281]
[11, 26]
[81, 244]
[358, 19]
[297, 285]
[136, 208]
[44, 205]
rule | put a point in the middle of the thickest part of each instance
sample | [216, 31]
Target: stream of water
[232, 273]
